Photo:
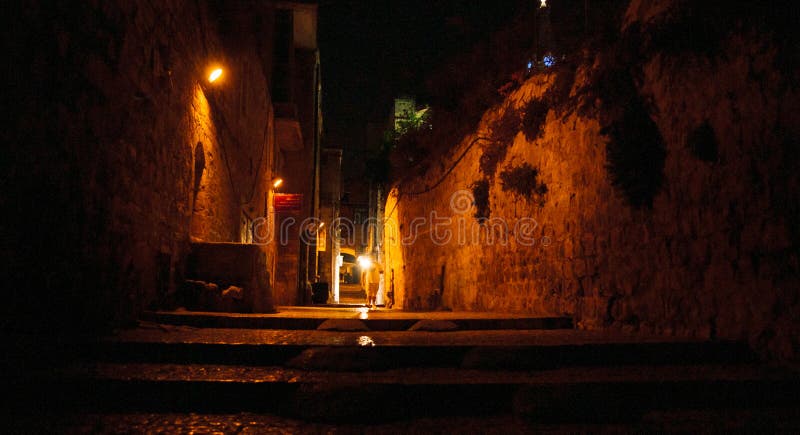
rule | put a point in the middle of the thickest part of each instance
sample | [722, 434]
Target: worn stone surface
[716, 256]
[249, 423]
[351, 359]
[233, 266]
[343, 325]
[565, 337]
[437, 375]
[681, 421]
[433, 325]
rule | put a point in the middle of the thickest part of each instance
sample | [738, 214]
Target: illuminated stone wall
[715, 256]
[121, 151]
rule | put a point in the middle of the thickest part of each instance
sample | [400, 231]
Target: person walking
[371, 279]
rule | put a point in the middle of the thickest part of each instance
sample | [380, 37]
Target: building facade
[298, 127]
[127, 159]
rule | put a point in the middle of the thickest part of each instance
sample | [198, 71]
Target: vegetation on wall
[414, 121]
[701, 27]
[480, 194]
[464, 89]
[703, 143]
[556, 98]
[502, 136]
[635, 150]
[635, 155]
[524, 181]
[534, 119]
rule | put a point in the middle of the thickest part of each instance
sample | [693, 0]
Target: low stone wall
[232, 264]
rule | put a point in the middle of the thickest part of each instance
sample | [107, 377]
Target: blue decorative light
[549, 60]
[530, 64]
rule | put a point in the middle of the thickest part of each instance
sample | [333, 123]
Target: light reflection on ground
[365, 341]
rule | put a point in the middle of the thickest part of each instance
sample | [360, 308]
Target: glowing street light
[364, 261]
[217, 73]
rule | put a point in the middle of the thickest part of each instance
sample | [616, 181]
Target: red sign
[288, 201]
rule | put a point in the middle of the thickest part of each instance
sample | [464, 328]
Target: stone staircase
[373, 371]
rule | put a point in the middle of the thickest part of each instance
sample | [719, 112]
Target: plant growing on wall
[505, 128]
[703, 143]
[480, 194]
[555, 98]
[524, 181]
[534, 119]
[414, 120]
[635, 155]
[687, 29]
[558, 93]
[502, 136]
[635, 150]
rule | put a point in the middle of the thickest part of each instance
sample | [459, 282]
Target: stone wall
[120, 151]
[242, 265]
[716, 255]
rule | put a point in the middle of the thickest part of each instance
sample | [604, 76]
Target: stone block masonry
[714, 256]
[120, 151]
[234, 264]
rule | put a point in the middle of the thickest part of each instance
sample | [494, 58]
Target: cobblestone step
[384, 350]
[623, 393]
[388, 357]
[562, 376]
[296, 318]
[763, 420]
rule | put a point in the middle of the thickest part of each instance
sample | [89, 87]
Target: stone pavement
[332, 312]
[684, 421]
[432, 375]
[452, 375]
[154, 333]
[374, 319]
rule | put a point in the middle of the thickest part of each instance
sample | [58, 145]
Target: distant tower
[545, 46]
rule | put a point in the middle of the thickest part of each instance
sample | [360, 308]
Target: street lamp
[215, 74]
[364, 262]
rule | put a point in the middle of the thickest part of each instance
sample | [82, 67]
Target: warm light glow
[214, 75]
[277, 182]
[544, 4]
[363, 313]
[364, 261]
[321, 224]
[201, 108]
[366, 341]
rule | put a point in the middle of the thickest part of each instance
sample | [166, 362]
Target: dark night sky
[373, 51]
